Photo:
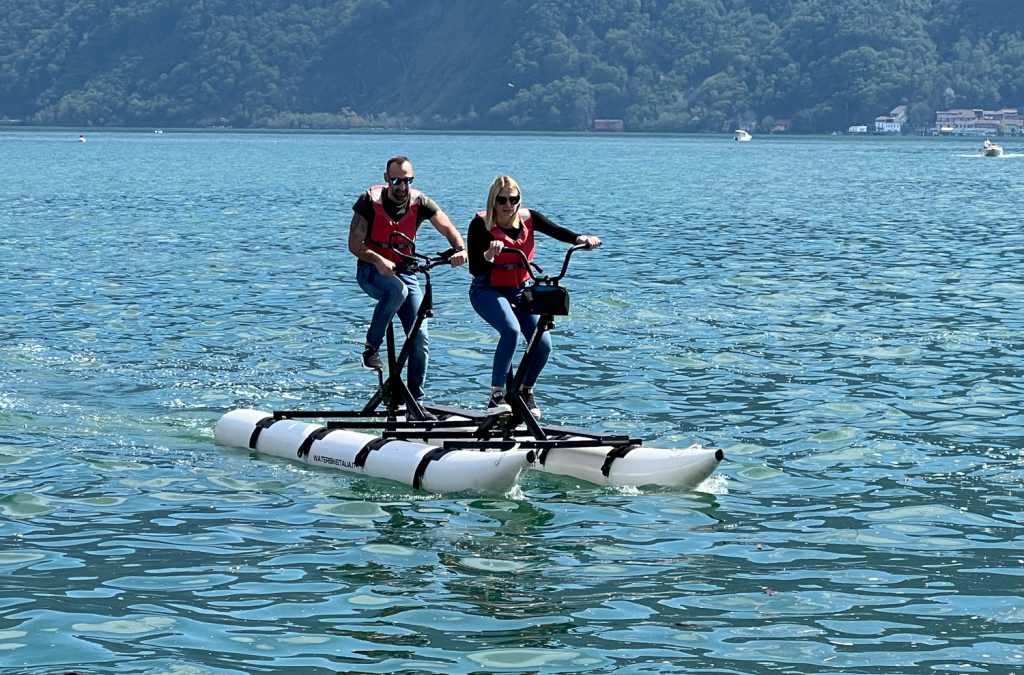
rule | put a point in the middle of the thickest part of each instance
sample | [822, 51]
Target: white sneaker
[497, 405]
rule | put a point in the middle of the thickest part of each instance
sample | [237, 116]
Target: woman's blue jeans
[500, 308]
[399, 295]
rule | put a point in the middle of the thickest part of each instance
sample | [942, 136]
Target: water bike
[441, 448]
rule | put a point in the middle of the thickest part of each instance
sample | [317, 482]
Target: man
[381, 273]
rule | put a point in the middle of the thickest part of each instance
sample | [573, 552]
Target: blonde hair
[499, 184]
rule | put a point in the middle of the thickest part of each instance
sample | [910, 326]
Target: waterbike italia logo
[344, 463]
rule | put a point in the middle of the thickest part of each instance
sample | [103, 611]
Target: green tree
[666, 65]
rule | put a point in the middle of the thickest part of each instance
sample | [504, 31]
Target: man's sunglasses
[396, 181]
[502, 200]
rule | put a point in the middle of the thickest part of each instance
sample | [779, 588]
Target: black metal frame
[476, 430]
[393, 390]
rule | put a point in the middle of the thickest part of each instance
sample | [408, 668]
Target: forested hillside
[666, 65]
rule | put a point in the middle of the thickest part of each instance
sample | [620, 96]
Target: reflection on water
[842, 316]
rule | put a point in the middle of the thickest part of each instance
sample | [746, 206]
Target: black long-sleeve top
[479, 239]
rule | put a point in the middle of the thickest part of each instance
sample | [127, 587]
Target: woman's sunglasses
[501, 200]
[396, 181]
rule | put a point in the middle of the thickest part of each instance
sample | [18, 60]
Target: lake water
[842, 316]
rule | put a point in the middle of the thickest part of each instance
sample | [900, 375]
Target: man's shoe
[371, 359]
[497, 405]
[531, 404]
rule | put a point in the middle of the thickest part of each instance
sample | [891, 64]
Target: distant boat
[81, 139]
[990, 149]
[158, 131]
[742, 135]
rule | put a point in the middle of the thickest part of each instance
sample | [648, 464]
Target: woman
[500, 276]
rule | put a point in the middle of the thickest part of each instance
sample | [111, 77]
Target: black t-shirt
[426, 210]
[479, 239]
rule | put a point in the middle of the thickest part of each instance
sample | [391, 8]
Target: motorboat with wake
[742, 135]
[990, 149]
[440, 448]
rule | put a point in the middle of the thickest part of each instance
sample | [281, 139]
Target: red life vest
[383, 226]
[508, 269]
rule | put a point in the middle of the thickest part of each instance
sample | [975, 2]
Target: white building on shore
[893, 122]
[978, 122]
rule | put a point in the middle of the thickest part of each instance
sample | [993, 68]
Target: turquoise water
[842, 316]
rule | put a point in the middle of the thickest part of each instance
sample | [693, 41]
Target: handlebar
[547, 279]
[413, 258]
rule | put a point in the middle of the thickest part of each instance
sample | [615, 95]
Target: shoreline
[18, 128]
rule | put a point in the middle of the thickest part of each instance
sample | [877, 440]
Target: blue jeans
[500, 308]
[399, 295]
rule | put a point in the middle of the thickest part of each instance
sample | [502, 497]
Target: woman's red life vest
[508, 269]
[383, 226]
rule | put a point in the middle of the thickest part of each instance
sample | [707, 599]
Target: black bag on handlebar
[543, 299]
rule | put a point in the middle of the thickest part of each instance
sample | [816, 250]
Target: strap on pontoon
[364, 452]
[432, 456]
[260, 426]
[307, 444]
[613, 454]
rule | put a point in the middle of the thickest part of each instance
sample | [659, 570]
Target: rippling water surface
[842, 316]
